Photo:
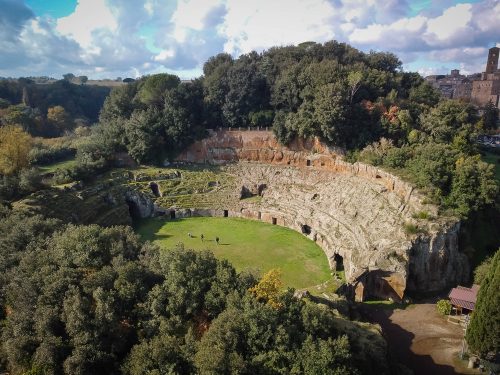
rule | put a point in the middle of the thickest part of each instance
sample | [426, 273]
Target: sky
[131, 38]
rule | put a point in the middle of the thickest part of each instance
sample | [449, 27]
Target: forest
[78, 299]
[362, 102]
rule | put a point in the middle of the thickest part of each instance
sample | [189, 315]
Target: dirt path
[421, 339]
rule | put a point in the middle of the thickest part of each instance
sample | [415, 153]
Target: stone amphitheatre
[389, 239]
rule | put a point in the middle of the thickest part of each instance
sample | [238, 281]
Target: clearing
[64, 164]
[419, 337]
[246, 244]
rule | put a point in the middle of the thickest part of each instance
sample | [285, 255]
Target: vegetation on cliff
[361, 102]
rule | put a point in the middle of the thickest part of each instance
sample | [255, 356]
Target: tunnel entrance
[226, 213]
[133, 210]
[339, 262]
[306, 229]
[275, 221]
[259, 215]
[155, 189]
[172, 214]
[308, 162]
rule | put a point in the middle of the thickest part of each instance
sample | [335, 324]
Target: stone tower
[492, 64]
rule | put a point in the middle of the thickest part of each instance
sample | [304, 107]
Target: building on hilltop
[488, 87]
[453, 85]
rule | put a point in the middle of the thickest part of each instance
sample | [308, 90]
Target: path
[421, 339]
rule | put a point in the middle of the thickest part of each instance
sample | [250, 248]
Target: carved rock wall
[355, 211]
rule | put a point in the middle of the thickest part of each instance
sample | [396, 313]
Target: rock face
[140, 205]
[356, 213]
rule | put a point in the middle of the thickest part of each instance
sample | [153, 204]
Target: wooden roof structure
[464, 297]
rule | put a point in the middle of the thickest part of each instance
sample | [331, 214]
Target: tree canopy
[483, 333]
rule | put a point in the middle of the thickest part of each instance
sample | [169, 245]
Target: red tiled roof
[464, 297]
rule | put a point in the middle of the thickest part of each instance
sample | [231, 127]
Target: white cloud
[451, 27]
[191, 15]
[253, 25]
[182, 34]
[90, 16]
[164, 55]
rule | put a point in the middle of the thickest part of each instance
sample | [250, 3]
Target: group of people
[190, 235]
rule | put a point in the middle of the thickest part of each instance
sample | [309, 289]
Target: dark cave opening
[339, 261]
[306, 229]
[155, 189]
[133, 209]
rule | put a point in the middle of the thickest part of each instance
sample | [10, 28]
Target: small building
[464, 299]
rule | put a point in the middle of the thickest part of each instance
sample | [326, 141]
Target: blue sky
[129, 38]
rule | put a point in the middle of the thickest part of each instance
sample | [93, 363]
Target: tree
[153, 90]
[84, 79]
[449, 116]
[269, 288]
[490, 116]
[424, 94]
[59, 118]
[145, 135]
[443, 306]
[482, 270]
[68, 76]
[330, 112]
[473, 185]
[15, 146]
[483, 334]
[354, 79]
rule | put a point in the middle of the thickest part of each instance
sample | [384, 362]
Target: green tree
[153, 90]
[482, 270]
[443, 306]
[424, 94]
[145, 135]
[473, 185]
[490, 116]
[483, 334]
[449, 116]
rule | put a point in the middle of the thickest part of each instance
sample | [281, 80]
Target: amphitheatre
[376, 226]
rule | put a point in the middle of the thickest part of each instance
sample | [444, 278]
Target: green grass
[50, 168]
[246, 244]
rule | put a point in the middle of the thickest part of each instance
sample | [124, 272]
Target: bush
[411, 228]
[423, 215]
[443, 307]
[396, 157]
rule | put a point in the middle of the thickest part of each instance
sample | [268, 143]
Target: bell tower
[492, 64]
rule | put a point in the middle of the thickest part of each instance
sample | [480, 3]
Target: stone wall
[355, 211]
[223, 146]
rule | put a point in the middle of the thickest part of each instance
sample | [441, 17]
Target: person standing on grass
[190, 235]
[202, 238]
[217, 240]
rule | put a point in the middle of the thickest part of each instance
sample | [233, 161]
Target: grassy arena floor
[246, 244]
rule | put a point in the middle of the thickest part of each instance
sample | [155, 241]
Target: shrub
[410, 228]
[443, 307]
[423, 215]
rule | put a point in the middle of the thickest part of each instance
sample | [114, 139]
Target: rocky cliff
[361, 216]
